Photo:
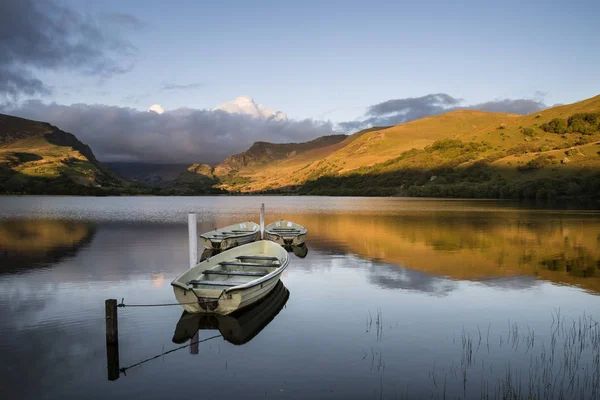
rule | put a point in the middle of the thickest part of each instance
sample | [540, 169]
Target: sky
[282, 70]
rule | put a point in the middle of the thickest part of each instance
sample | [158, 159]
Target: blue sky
[332, 59]
[95, 67]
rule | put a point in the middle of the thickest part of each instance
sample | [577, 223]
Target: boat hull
[228, 243]
[215, 295]
[229, 301]
[286, 241]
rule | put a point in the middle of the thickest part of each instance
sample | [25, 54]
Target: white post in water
[262, 221]
[193, 238]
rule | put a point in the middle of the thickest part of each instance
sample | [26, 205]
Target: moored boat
[286, 233]
[231, 236]
[233, 279]
[239, 327]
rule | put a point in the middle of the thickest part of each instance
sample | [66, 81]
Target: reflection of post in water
[194, 345]
[239, 327]
[112, 360]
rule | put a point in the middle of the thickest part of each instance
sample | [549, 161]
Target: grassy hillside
[36, 157]
[458, 154]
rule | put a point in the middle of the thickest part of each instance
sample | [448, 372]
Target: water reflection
[30, 244]
[238, 328]
[468, 246]
[299, 251]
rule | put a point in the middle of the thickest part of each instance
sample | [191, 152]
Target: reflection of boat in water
[299, 251]
[231, 236]
[286, 233]
[237, 328]
[233, 279]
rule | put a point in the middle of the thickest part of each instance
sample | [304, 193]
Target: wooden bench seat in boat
[244, 264]
[216, 283]
[238, 273]
[257, 258]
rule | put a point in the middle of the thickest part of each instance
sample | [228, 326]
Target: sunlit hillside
[462, 146]
[36, 157]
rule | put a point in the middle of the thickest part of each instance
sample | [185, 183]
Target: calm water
[396, 298]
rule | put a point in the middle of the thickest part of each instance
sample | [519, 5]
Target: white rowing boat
[286, 233]
[237, 328]
[231, 236]
[231, 280]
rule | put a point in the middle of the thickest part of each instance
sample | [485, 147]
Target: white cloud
[245, 105]
[157, 108]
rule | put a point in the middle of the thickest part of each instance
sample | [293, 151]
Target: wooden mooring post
[193, 238]
[262, 221]
[112, 339]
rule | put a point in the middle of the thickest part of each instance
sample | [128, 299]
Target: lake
[396, 298]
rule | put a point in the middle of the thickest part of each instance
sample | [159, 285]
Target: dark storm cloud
[397, 111]
[179, 136]
[36, 35]
[175, 86]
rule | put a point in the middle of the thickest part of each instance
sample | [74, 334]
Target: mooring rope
[122, 304]
[167, 352]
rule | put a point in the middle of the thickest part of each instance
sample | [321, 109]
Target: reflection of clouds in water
[393, 277]
[520, 282]
[158, 280]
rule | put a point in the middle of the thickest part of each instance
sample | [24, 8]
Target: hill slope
[462, 153]
[262, 153]
[36, 157]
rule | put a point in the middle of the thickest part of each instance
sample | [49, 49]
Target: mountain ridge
[37, 157]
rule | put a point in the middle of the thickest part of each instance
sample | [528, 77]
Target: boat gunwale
[277, 271]
[269, 229]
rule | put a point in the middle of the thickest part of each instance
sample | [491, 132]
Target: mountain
[264, 153]
[463, 153]
[147, 173]
[36, 157]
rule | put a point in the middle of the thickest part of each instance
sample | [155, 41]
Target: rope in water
[167, 352]
[122, 304]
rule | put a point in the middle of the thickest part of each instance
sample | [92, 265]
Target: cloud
[175, 86]
[245, 105]
[397, 111]
[183, 135]
[157, 108]
[43, 35]
[123, 20]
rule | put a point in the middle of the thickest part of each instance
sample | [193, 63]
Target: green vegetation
[556, 125]
[584, 123]
[536, 163]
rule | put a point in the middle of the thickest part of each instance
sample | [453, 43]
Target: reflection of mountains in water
[29, 244]
[466, 245]
[237, 328]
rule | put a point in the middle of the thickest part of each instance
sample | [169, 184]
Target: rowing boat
[237, 328]
[231, 280]
[286, 233]
[231, 236]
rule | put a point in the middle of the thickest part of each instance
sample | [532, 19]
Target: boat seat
[258, 258]
[244, 264]
[239, 273]
[216, 283]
